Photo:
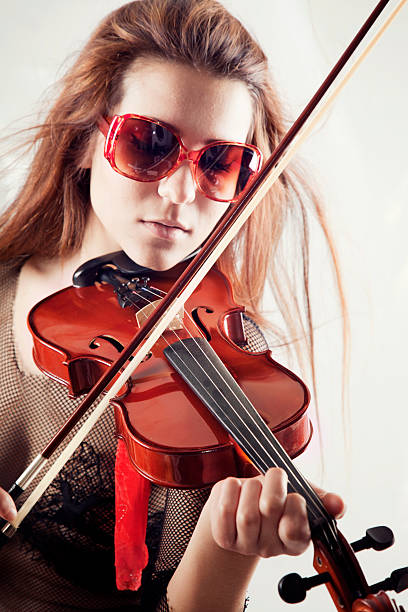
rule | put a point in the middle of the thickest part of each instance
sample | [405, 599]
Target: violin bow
[173, 302]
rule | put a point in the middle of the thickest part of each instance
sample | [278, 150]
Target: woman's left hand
[243, 520]
[256, 516]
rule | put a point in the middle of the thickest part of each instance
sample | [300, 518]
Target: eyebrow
[173, 127]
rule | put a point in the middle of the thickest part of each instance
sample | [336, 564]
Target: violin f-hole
[94, 344]
[196, 318]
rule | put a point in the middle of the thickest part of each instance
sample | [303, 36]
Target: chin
[154, 261]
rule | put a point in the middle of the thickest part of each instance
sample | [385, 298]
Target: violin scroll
[380, 602]
[338, 568]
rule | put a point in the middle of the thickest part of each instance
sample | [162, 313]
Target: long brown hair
[48, 216]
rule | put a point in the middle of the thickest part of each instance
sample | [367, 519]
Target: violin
[187, 419]
[171, 438]
[253, 441]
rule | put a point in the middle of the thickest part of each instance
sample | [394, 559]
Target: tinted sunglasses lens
[145, 150]
[224, 170]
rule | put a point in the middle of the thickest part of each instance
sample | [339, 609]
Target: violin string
[302, 485]
[308, 492]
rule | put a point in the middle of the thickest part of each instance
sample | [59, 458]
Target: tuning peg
[293, 588]
[398, 581]
[378, 538]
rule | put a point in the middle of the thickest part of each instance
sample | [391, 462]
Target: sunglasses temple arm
[104, 124]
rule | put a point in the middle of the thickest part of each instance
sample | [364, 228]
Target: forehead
[202, 107]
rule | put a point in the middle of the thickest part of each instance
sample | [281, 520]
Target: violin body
[171, 437]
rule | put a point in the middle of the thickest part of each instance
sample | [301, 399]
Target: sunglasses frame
[111, 127]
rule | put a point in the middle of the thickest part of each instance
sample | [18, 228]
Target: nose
[179, 187]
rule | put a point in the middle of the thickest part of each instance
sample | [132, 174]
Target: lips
[169, 230]
[168, 223]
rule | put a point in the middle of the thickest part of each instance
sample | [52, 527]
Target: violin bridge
[145, 312]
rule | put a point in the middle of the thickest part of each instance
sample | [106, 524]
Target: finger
[333, 503]
[271, 505]
[225, 497]
[248, 519]
[7, 507]
[293, 529]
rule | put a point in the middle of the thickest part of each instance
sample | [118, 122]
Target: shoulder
[255, 338]
[33, 283]
[9, 271]
[39, 278]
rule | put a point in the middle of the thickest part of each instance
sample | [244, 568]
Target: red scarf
[132, 492]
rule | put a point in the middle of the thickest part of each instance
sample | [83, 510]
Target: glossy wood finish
[171, 437]
[340, 587]
[380, 602]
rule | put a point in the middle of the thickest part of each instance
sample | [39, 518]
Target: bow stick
[220, 237]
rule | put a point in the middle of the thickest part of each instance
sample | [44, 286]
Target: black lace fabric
[62, 557]
[71, 526]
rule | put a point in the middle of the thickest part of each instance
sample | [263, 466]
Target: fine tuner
[293, 588]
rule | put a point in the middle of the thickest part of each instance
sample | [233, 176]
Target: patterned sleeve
[169, 531]
[255, 340]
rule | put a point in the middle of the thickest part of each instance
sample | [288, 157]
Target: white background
[358, 157]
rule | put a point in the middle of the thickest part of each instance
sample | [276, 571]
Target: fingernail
[11, 513]
[342, 512]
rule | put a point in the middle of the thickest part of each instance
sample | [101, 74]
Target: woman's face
[158, 224]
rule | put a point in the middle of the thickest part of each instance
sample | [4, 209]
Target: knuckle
[7, 507]
[224, 509]
[225, 490]
[231, 480]
[270, 549]
[296, 530]
[248, 550]
[229, 484]
[297, 549]
[252, 484]
[224, 541]
[267, 553]
[271, 504]
[247, 518]
[297, 533]
[217, 486]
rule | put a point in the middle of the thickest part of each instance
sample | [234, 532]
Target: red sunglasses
[147, 150]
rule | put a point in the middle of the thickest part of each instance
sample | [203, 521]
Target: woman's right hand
[7, 506]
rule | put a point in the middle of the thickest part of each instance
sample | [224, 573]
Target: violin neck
[200, 367]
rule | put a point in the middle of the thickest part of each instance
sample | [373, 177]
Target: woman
[157, 72]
